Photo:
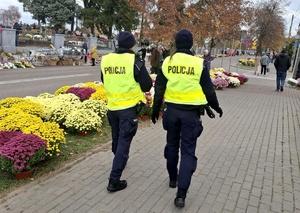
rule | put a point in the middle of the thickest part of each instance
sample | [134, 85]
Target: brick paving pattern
[248, 161]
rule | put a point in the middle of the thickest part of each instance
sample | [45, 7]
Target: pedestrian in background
[264, 61]
[143, 50]
[207, 59]
[185, 85]
[257, 66]
[16, 27]
[94, 54]
[298, 71]
[282, 65]
[125, 79]
[85, 51]
[156, 58]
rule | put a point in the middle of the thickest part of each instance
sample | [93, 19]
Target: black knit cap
[184, 39]
[126, 40]
[283, 51]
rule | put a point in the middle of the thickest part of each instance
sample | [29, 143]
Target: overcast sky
[293, 9]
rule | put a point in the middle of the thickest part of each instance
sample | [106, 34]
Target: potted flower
[293, 82]
[147, 108]
[82, 121]
[21, 152]
[233, 82]
[82, 93]
[220, 82]
[145, 113]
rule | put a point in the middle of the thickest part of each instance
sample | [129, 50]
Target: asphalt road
[32, 82]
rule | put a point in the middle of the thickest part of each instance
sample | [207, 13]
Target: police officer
[125, 80]
[186, 87]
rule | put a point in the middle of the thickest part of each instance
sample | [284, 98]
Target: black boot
[116, 185]
[173, 182]
[180, 198]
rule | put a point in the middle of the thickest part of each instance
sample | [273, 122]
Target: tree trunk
[72, 25]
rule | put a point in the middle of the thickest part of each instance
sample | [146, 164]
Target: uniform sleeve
[208, 89]
[159, 88]
[141, 76]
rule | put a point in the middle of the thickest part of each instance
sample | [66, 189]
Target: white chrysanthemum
[292, 82]
[233, 81]
[234, 74]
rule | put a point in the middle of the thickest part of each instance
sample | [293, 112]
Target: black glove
[220, 111]
[209, 112]
[154, 116]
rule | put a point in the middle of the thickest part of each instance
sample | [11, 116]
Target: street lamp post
[230, 55]
[223, 52]
[240, 51]
[295, 63]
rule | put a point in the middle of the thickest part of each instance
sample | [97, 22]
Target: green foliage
[57, 12]
[104, 14]
[8, 164]
[289, 49]
[146, 110]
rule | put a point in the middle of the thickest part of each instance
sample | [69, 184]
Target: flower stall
[247, 62]
[222, 79]
[295, 83]
[41, 123]
[9, 61]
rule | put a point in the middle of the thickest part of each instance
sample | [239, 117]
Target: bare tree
[268, 24]
[7, 16]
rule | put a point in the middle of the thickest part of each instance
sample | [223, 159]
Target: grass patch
[246, 67]
[76, 147]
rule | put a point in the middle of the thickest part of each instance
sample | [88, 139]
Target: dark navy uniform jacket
[205, 82]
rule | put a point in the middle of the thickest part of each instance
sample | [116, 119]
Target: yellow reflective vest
[118, 74]
[183, 72]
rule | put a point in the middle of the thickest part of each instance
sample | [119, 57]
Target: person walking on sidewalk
[184, 83]
[282, 64]
[264, 61]
[257, 66]
[125, 79]
[94, 54]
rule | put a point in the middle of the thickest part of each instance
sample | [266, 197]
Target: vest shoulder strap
[138, 64]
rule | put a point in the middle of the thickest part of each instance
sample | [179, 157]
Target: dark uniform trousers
[183, 128]
[124, 124]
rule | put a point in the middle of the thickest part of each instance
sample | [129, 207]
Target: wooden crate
[68, 62]
[52, 63]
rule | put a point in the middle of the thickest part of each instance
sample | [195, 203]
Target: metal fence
[38, 39]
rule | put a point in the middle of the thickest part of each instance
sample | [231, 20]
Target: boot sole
[178, 204]
[115, 190]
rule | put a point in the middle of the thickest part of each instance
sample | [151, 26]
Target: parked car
[251, 52]
[230, 52]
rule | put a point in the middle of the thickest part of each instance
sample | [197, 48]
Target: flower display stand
[83, 133]
[218, 88]
[144, 117]
[52, 63]
[24, 175]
